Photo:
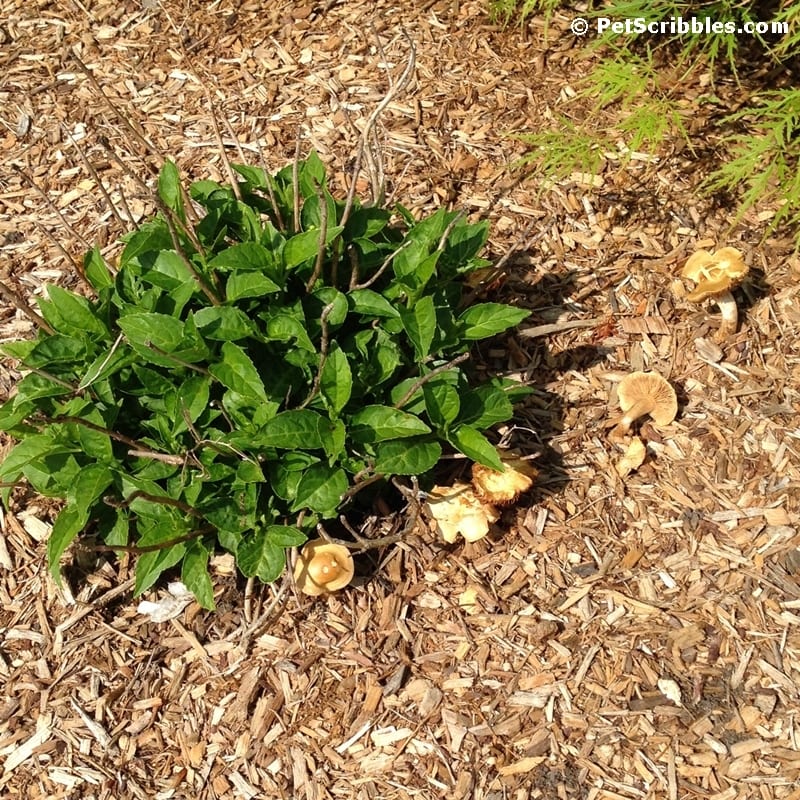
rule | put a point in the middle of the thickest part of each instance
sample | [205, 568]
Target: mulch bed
[629, 637]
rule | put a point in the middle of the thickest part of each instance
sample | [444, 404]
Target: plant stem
[425, 378]
[323, 235]
[12, 297]
[638, 409]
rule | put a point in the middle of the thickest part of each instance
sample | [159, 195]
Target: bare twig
[324, 343]
[296, 185]
[93, 172]
[54, 379]
[360, 544]
[127, 120]
[427, 376]
[449, 229]
[170, 219]
[176, 360]
[521, 242]
[10, 296]
[323, 235]
[123, 166]
[165, 458]
[148, 548]
[78, 267]
[51, 205]
[102, 366]
[391, 257]
[361, 484]
[220, 143]
[118, 437]
[377, 190]
[558, 327]
[163, 500]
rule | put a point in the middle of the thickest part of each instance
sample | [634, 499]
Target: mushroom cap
[323, 567]
[714, 273]
[457, 510]
[502, 488]
[638, 386]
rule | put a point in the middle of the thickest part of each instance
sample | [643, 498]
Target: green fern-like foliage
[764, 162]
[637, 82]
[564, 149]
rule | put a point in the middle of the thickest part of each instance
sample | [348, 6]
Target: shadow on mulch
[545, 410]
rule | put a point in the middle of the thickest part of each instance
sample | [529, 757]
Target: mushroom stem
[638, 409]
[730, 316]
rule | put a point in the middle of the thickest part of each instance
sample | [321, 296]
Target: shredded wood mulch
[633, 637]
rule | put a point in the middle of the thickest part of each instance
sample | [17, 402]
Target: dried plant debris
[633, 458]
[458, 511]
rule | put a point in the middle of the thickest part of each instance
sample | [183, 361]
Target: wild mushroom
[503, 488]
[715, 276]
[323, 567]
[643, 393]
[457, 510]
[633, 457]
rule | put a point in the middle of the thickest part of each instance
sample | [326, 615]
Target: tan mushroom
[643, 393]
[503, 488]
[633, 457]
[323, 567]
[715, 276]
[457, 511]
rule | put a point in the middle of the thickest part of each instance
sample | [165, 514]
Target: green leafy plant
[261, 353]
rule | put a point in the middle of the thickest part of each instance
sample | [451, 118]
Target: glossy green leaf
[107, 363]
[304, 246]
[96, 270]
[298, 429]
[334, 436]
[151, 564]
[377, 423]
[407, 457]
[145, 243]
[28, 449]
[473, 444]
[223, 323]
[284, 327]
[488, 319]
[259, 556]
[441, 402]
[320, 489]
[285, 536]
[419, 322]
[485, 406]
[92, 481]
[237, 372]
[72, 313]
[58, 349]
[371, 304]
[248, 256]
[194, 573]
[68, 524]
[191, 401]
[168, 271]
[150, 329]
[169, 188]
[336, 380]
[249, 284]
